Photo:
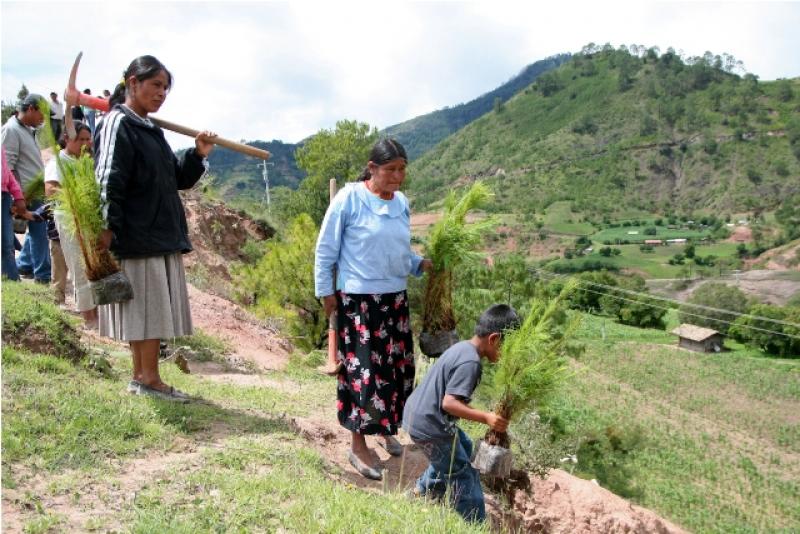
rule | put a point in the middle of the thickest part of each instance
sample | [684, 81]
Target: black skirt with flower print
[376, 347]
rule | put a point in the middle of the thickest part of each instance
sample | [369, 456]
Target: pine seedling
[452, 242]
[532, 362]
[79, 198]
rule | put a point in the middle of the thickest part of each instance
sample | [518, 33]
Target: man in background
[24, 159]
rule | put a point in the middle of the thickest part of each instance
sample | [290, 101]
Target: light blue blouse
[368, 239]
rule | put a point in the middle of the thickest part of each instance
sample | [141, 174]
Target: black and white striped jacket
[139, 178]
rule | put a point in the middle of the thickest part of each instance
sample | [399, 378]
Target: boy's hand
[496, 423]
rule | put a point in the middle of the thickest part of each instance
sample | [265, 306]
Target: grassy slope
[721, 446]
[720, 450]
[80, 430]
[543, 160]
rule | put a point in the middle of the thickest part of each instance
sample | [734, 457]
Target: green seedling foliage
[453, 242]
[533, 362]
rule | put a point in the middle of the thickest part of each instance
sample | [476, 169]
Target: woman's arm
[328, 247]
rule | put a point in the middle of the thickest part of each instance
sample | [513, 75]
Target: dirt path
[250, 339]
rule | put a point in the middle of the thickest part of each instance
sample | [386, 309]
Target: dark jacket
[139, 178]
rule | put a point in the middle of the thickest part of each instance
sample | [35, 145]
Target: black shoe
[25, 274]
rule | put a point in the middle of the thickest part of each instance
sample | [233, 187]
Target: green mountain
[420, 134]
[240, 176]
[613, 131]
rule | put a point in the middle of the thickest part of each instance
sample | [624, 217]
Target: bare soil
[250, 338]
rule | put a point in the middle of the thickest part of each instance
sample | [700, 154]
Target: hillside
[420, 134]
[262, 449]
[613, 131]
[236, 175]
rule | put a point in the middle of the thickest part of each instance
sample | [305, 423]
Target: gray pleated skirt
[160, 305]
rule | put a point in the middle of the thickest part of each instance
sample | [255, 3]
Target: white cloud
[256, 70]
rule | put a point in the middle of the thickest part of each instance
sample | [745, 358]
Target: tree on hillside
[788, 216]
[341, 154]
[633, 309]
[714, 295]
[771, 337]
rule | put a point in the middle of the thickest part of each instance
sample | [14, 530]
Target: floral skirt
[376, 347]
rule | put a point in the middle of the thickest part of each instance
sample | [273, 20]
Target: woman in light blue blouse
[366, 235]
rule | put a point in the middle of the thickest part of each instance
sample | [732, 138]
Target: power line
[677, 302]
[553, 276]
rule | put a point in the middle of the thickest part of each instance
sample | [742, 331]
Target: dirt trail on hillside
[250, 339]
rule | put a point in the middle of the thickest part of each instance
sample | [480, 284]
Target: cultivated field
[720, 449]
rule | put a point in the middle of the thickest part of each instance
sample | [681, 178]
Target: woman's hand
[329, 304]
[104, 240]
[203, 143]
[426, 265]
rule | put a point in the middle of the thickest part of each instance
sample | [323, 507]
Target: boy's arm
[458, 408]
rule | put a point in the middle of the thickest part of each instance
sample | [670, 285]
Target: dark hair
[144, 68]
[496, 320]
[87, 91]
[79, 127]
[383, 152]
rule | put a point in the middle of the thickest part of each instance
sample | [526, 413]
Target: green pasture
[654, 264]
[662, 232]
[559, 218]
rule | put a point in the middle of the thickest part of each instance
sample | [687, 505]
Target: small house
[653, 242]
[698, 339]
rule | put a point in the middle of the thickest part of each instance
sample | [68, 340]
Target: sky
[277, 70]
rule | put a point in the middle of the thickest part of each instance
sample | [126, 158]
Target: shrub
[532, 364]
[631, 309]
[281, 284]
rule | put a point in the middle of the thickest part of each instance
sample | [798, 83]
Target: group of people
[365, 236]
[49, 253]
[79, 113]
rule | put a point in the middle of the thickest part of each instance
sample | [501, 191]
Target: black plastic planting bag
[434, 344]
[113, 288]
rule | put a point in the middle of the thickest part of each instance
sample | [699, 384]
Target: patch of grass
[32, 320]
[560, 219]
[275, 483]
[205, 346]
[57, 416]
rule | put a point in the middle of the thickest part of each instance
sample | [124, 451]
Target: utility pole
[265, 173]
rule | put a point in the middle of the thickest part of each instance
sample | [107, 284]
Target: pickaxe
[73, 97]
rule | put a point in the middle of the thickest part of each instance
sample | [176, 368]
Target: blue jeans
[35, 255]
[9, 263]
[450, 468]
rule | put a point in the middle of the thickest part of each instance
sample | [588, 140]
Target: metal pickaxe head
[73, 98]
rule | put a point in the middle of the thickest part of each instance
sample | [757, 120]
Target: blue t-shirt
[457, 372]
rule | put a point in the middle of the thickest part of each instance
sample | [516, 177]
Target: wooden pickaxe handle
[74, 97]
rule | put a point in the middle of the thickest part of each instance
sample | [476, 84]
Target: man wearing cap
[24, 159]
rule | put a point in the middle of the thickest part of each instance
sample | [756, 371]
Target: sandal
[391, 445]
[363, 469]
[169, 394]
[327, 369]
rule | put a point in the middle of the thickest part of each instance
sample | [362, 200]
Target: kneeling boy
[431, 413]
